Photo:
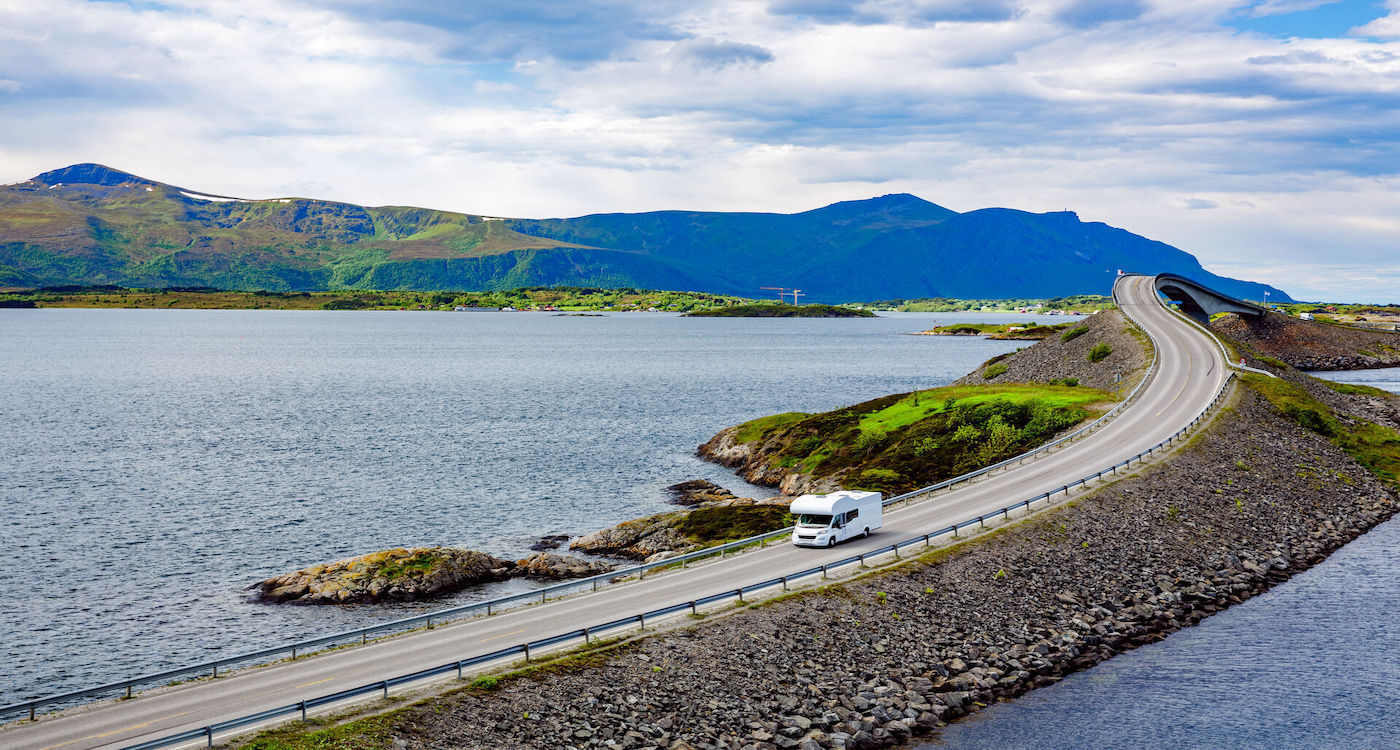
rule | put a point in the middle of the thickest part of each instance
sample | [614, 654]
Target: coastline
[855, 664]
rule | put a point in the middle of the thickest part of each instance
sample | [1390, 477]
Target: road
[1190, 372]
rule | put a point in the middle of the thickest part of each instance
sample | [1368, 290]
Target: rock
[697, 492]
[549, 541]
[637, 539]
[391, 575]
[558, 567]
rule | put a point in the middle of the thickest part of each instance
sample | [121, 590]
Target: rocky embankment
[390, 575]
[750, 460]
[1066, 355]
[1309, 345]
[664, 535]
[413, 574]
[868, 663]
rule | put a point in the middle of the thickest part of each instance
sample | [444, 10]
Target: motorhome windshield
[812, 519]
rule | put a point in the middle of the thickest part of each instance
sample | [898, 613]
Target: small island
[780, 311]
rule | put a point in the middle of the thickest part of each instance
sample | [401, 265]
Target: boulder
[558, 567]
[549, 541]
[637, 539]
[696, 492]
[400, 574]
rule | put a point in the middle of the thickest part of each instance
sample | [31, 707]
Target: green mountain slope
[90, 224]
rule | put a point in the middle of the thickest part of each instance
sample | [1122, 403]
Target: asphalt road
[1190, 372]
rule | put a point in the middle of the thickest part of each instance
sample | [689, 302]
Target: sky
[1262, 136]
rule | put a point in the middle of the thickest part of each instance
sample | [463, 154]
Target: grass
[1353, 389]
[201, 298]
[1374, 446]
[756, 428]
[732, 522]
[993, 371]
[781, 311]
[1100, 351]
[905, 441]
[1074, 333]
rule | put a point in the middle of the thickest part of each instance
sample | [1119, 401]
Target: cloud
[1085, 14]
[1280, 7]
[715, 54]
[915, 12]
[548, 109]
[578, 31]
[1385, 27]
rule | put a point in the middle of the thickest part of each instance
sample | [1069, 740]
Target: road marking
[309, 684]
[502, 635]
[1183, 385]
[115, 731]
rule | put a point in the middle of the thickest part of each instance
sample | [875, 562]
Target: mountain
[90, 224]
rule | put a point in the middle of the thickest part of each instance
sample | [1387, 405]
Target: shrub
[993, 371]
[1074, 333]
[1100, 350]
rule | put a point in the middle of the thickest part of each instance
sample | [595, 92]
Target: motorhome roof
[828, 503]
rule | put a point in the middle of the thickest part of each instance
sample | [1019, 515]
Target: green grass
[904, 441]
[1074, 333]
[913, 407]
[1353, 389]
[756, 428]
[369, 733]
[993, 371]
[1374, 446]
[730, 523]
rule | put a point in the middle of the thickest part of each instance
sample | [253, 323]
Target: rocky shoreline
[1309, 345]
[413, 574]
[868, 663]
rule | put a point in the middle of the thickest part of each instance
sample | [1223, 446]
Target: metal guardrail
[207, 733]
[540, 595]
[1206, 329]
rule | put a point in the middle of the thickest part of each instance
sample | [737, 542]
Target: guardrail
[543, 594]
[207, 733]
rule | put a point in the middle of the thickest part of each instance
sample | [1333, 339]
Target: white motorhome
[824, 520]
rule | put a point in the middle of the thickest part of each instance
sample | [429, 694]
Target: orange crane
[781, 290]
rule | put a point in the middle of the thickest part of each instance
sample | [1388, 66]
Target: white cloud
[1130, 113]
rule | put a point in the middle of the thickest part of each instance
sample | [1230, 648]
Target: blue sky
[1262, 136]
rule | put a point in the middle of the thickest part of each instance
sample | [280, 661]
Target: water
[155, 463]
[1309, 664]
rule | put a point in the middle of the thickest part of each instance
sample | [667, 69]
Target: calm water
[1310, 664]
[154, 463]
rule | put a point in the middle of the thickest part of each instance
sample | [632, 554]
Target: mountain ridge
[92, 224]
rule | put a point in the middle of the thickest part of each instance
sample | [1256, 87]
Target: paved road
[1190, 373]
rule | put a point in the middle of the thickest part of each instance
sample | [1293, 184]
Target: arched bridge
[1199, 302]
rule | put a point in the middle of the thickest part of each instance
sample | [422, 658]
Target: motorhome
[825, 520]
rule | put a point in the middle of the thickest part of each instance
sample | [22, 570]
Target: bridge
[1188, 376]
[1200, 302]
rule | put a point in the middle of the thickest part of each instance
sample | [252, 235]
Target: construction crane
[781, 290]
[795, 294]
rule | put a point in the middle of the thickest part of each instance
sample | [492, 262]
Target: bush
[1100, 351]
[993, 371]
[1068, 382]
[1074, 333]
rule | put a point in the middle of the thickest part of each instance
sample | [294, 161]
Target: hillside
[90, 224]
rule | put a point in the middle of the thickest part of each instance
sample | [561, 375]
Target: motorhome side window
[852, 515]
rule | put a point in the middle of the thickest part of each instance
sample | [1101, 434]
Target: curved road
[1190, 372]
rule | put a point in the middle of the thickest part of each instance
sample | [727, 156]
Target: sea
[1312, 664]
[155, 463]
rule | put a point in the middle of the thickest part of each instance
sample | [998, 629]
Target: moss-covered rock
[390, 575]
